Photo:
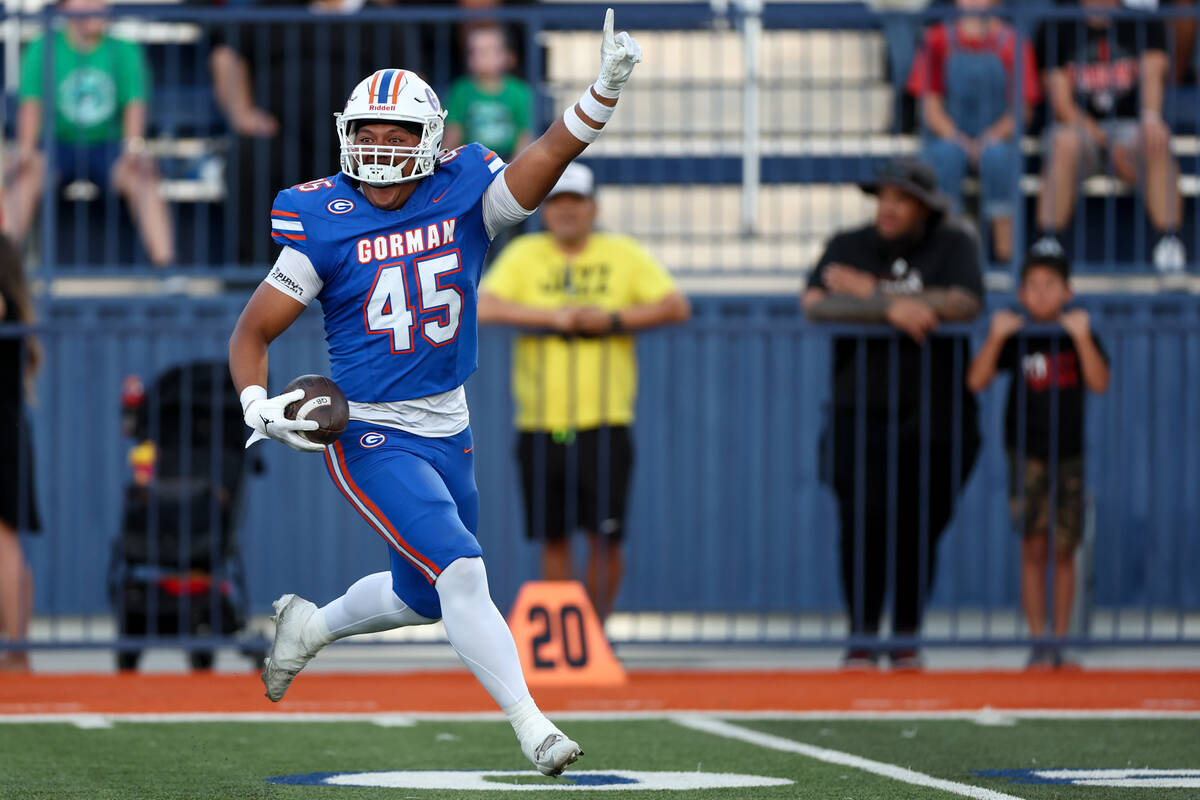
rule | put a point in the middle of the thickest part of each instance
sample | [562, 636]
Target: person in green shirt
[99, 89]
[489, 105]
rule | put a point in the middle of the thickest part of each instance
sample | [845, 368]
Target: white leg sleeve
[369, 606]
[478, 632]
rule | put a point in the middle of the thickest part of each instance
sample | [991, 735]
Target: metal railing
[734, 154]
[732, 530]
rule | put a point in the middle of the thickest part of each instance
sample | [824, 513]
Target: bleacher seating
[671, 163]
[821, 132]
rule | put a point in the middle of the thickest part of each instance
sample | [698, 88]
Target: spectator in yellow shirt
[580, 295]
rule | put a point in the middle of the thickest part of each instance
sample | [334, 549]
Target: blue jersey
[399, 287]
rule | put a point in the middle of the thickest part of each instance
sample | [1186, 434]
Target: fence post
[49, 221]
[751, 45]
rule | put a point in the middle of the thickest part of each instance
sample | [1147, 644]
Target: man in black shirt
[1043, 432]
[899, 447]
[1105, 80]
[279, 84]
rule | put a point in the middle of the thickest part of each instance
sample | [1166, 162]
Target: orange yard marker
[559, 637]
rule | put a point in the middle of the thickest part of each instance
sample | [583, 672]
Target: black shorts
[575, 480]
[18, 501]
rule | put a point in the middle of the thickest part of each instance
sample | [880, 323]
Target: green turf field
[195, 760]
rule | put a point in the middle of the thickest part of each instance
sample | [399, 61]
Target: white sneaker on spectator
[1169, 255]
[1170, 259]
[1047, 246]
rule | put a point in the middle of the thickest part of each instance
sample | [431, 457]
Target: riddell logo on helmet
[374, 107]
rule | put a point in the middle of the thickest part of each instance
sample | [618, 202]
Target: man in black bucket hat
[898, 449]
[915, 178]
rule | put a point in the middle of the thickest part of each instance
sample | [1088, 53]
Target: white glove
[265, 416]
[618, 54]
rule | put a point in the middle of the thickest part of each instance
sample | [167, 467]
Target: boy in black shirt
[1054, 369]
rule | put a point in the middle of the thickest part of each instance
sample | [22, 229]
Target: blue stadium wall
[727, 512]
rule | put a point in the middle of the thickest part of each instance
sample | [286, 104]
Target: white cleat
[288, 655]
[553, 754]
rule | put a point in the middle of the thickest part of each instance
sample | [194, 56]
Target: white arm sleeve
[500, 208]
[295, 276]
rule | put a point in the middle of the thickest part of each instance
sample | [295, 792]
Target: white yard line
[728, 731]
[91, 722]
[29, 713]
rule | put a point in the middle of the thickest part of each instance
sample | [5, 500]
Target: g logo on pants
[371, 439]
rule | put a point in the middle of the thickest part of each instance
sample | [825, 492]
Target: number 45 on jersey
[437, 309]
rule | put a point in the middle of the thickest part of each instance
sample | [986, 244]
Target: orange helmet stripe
[396, 86]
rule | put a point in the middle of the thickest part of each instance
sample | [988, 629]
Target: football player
[393, 247]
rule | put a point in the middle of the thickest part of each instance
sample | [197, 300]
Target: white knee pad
[464, 580]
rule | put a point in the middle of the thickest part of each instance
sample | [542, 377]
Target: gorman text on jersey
[410, 242]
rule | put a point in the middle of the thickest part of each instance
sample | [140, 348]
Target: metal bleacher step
[704, 213]
[698, 229]
[811, 82]
[703, 112]
[708, 55]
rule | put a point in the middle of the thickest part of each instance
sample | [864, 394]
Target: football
[324, 402]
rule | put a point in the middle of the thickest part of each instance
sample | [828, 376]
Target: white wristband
[595, 110]
[250, 394]
[578, 128]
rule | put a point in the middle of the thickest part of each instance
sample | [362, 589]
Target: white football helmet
[391, 95]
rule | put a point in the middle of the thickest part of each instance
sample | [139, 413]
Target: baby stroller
[176, 567]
